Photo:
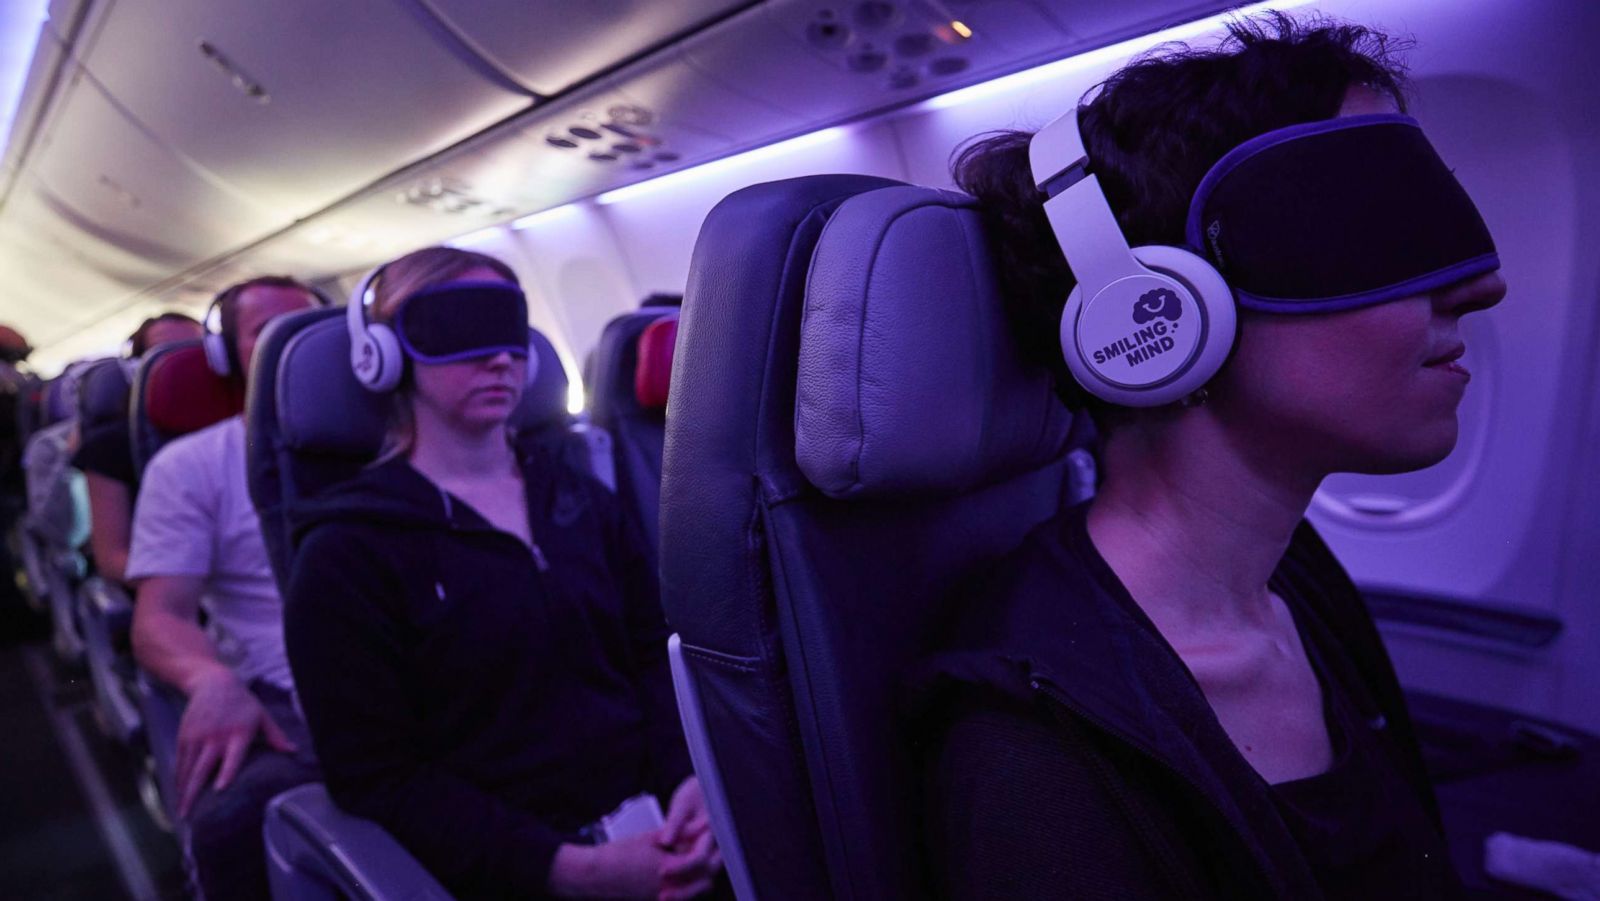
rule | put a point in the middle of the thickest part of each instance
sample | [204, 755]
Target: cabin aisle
[64, 788]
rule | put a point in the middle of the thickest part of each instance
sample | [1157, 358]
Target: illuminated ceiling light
[533, 219]
[960, 28]
[481, 236]
[684, 176]
[21, 29]
[1102, 55]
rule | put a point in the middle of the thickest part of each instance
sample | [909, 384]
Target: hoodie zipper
[540, 562]
[1055, 695]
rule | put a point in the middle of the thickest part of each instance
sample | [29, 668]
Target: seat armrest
[315, 850]
[110, 604]
[106, 612]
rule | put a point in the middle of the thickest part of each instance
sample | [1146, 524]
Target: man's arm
[110, 524]
[174, 535]
[222, 717]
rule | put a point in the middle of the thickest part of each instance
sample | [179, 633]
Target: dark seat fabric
[638, 430]
[805, 569]
[103, 395]
[310, 424]
[175, 393]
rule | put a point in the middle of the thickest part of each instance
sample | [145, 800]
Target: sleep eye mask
[1335, 215]
[463, 320]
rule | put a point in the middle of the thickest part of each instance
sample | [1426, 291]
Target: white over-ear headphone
[215, 343]
[375, 354]
[1145, 326]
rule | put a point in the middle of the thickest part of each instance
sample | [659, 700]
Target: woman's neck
[1194, 523]
[447, 454]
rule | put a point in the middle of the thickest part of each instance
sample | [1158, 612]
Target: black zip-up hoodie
[481, 701]
[1066, 751]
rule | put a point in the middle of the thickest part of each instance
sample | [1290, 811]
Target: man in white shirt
[197, 544]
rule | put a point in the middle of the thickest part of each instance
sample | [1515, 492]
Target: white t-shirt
[194, 518]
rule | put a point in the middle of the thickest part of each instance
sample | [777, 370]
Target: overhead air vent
[903, 43]
[240, 79]
[622, 133]
[442, 195]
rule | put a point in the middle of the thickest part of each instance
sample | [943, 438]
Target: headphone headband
[1144, 326]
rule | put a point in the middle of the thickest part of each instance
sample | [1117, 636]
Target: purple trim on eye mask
[474, 354]
[1422, 284]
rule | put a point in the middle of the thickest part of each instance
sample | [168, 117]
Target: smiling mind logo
[1158, 311]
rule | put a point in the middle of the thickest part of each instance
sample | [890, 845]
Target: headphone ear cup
[389, 359]
[1178, 324]
[217, 356]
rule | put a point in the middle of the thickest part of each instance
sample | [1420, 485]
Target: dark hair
[139, 342]
[1153, 130]
[227, 302]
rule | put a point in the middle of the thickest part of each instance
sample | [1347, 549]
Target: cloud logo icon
[1160, 303]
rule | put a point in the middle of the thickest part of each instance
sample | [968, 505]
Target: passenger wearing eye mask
[1175, 691]
[475, 632]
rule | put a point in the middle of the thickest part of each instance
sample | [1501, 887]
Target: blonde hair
[398, 280]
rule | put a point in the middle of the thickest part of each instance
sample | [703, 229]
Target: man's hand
[218, 727]
[692, 858]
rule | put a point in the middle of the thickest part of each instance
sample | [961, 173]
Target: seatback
[635, 418]
[175, 393]
[852, 435]
[103, 395]
[312, 425]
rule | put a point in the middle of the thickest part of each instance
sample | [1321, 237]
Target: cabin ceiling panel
[113, 182]
[553, 44]
[349, 91]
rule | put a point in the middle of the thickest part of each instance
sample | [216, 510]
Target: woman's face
[1370, 390]
[472, 395]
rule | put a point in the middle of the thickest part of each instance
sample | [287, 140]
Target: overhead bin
[552, 45]
[294, 103]
[113, 181]
[570, 148]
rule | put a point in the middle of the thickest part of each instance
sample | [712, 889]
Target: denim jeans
[224, 827]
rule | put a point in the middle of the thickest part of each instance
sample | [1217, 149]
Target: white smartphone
[638, 814]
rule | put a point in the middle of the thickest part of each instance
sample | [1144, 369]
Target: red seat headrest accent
[183, 395]
[653, 375]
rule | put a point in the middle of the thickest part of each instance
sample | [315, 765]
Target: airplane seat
[852, 434]
[630, 383]
[54, 527]
[310, 426]
[104, 608]
[174, 393]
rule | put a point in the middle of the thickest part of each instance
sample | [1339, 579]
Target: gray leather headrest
[909, 378]
[323, 409]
